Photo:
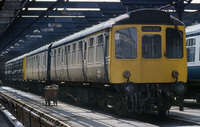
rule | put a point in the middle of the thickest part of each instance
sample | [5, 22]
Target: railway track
[168, 121]
[73, 115]
[32, 108]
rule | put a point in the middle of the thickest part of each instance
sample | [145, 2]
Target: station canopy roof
[26, 25]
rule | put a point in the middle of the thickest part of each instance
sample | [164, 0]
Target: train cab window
[190, 45]
[126, 43]
[174, 43]
[151, 46]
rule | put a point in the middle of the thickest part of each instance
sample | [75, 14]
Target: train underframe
[193, 91]
[123, 98]
[126, 98]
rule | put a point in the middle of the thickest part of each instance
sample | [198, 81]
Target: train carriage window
[91, 50]
[58, 57]
[44, 63]
[99, 50]
[65, 49]
[107, 45]
[190, 45]
[151, 46]
[61, 55]
[174, 43]
[54, 59]
[38, 60]
[126, 43]
[85, 50]
[34, 62]
[42, 59]
[68, 48]
[68, 55]
[74, 54]
[65, 55]
[80, 52]
[80, 45]
[31, 63]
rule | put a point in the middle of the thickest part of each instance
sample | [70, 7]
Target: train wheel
[121, 109]
[102, 103]
[198, 99]
[162, 112]
[162, 109]
[120, 106]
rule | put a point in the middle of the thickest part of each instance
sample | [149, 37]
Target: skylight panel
[30, 16]
[195, 1]
[45, 0]
[55, 16]
[186, 10]
[94, 1]
[79, 9]
[37, 9]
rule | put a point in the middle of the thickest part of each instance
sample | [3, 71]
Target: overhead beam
[12, 4]
[145, 2]
[4, 20]
[7, 13]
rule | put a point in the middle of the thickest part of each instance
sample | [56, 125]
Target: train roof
[192, 30]
[41, 49]
[142, 16]
[16, 59]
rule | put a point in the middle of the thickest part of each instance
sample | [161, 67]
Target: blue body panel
[193, 72]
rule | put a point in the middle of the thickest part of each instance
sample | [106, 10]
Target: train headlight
[175, 74]
[126, 74]
[180, 88]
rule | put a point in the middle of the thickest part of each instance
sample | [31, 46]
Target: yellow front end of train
[148, 54]
[148, 66]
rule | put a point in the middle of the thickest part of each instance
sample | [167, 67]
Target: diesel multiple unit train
[193, 61]
[136, 62]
